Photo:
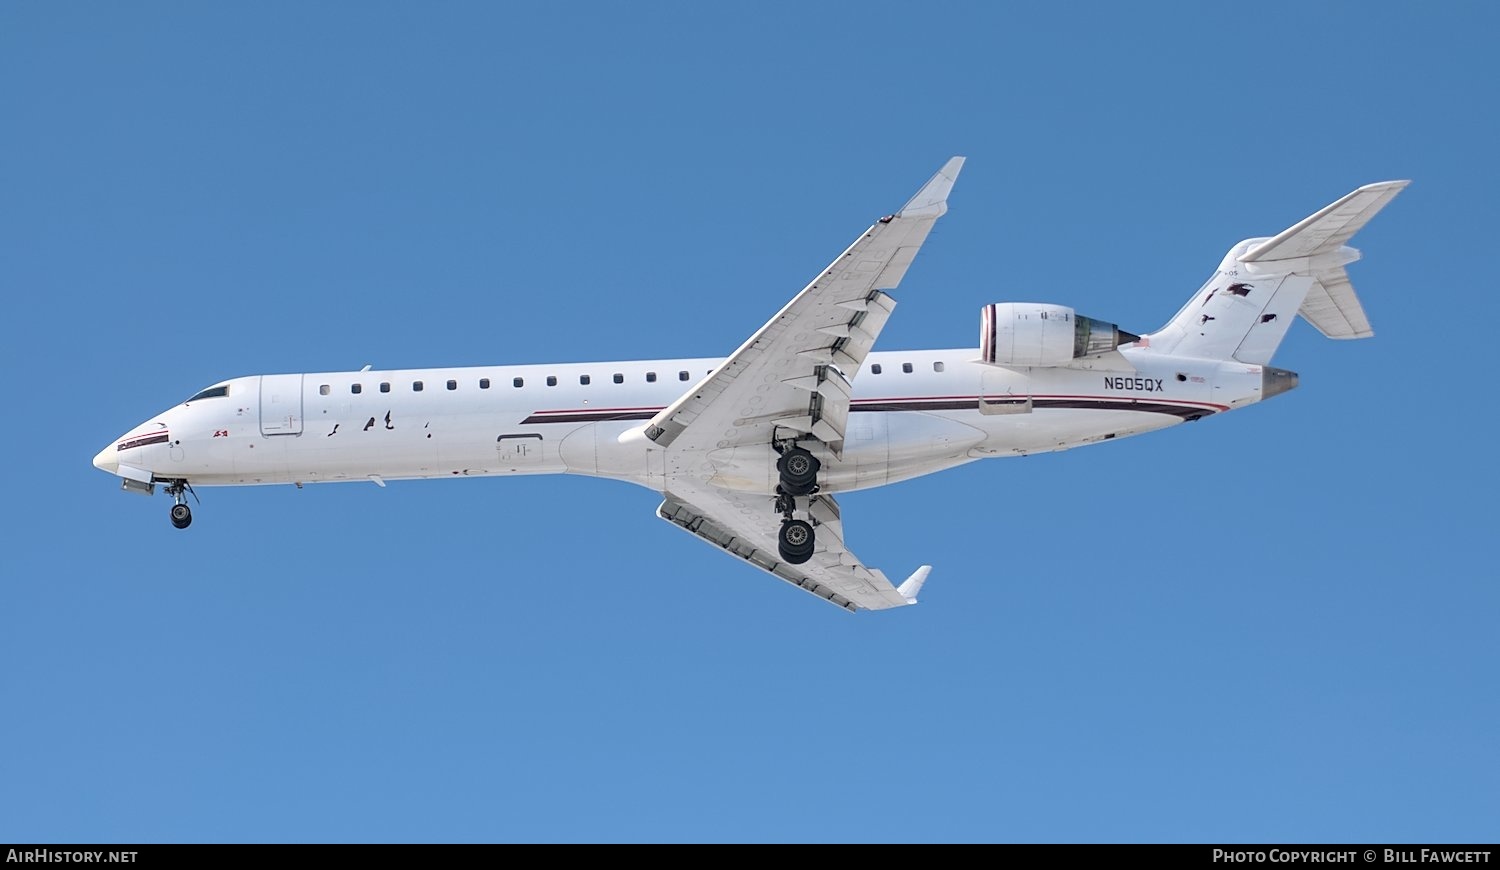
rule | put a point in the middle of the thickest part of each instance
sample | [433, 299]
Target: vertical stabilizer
[1245, 309]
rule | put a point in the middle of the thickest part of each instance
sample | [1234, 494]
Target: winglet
[913, 584]
[932, 200]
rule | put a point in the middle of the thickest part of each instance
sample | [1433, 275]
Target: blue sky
[1273, 625]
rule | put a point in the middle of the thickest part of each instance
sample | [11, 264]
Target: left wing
[810, 351]
[795, 374]
[833, 573]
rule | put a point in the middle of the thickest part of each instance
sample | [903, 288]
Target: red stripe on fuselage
[1122, 403]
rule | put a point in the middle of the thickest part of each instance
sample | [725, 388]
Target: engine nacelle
[1037, 334]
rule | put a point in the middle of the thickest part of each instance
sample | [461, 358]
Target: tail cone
[1274, 381]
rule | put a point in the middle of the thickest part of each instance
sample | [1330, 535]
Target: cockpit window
[211, 393]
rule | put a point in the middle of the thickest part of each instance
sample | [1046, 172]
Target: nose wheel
[181, 514]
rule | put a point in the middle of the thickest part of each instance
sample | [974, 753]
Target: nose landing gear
[181, 514]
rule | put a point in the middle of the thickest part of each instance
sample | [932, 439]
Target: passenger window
[552, 380]
[385, 386]
[356, 388]
[682, 376]
[416, 386]
[323, 390]
[875, 369]
[518, 383]
[453, 385]
[650, 377]
[906, 367]
[619, 378]
[583, 379]
[484, 383]
[937, 366]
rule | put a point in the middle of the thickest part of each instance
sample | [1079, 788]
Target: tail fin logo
[1232, 290]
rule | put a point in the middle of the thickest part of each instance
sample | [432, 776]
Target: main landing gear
[796, 541]
[798, 470]
[182, 515]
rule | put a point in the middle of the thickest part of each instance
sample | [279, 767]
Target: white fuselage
[748, 450]
[912, 413]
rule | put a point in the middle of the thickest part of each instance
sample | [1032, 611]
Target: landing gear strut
[182, 515]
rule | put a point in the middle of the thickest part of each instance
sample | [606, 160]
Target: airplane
[749, 451]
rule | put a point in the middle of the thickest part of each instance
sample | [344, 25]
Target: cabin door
[281, 405]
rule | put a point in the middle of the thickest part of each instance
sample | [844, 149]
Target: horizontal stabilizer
[1330, 228]
[1333, 308]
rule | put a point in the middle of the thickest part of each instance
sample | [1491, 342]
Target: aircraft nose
[108, 459]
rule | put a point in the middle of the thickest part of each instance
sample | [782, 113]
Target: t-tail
[1244, 310]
